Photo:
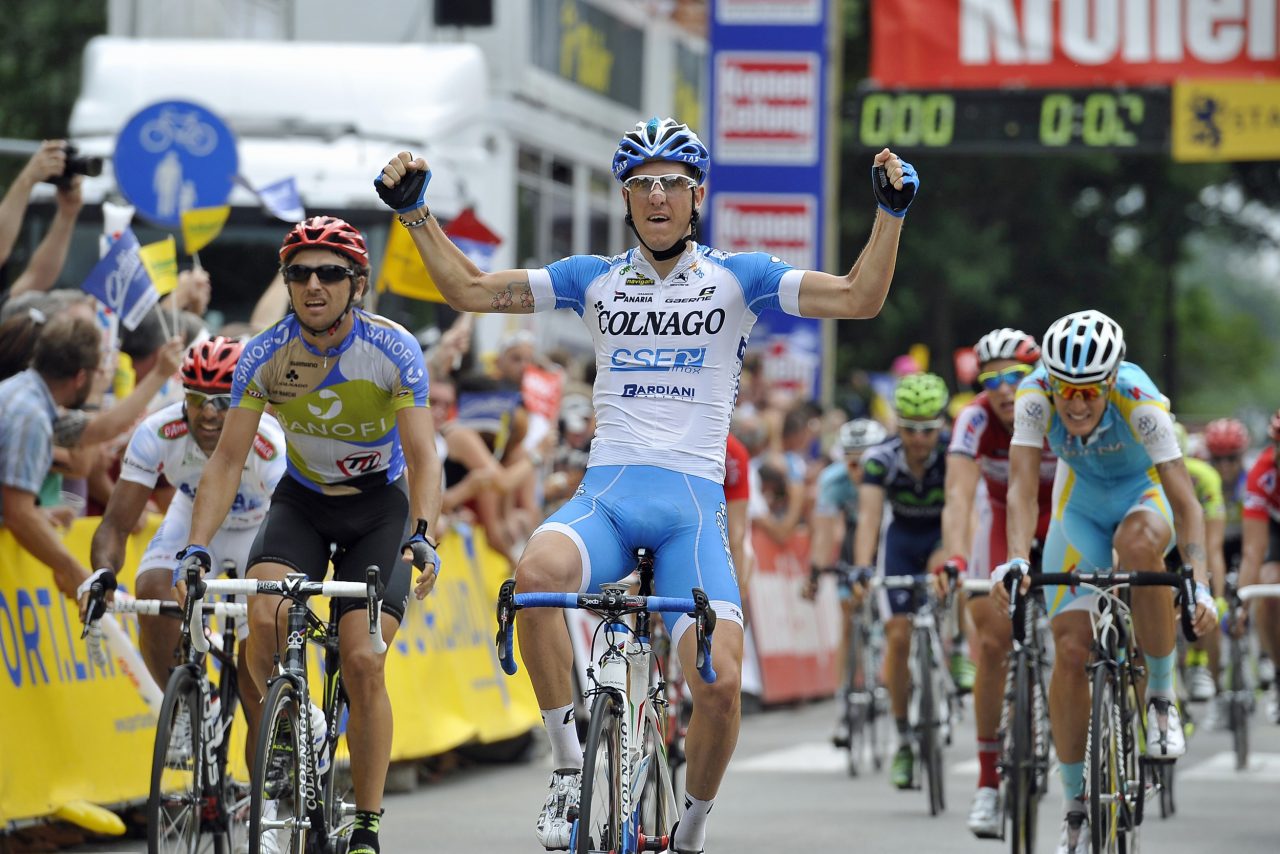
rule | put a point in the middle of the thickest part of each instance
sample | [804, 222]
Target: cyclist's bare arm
[220, 479]
[1253, 549]
[1023, 506]
[962, 483]
[861, 292]
[867, 535]
[827, 530]
[1214, 535]
[128, 501]
[418, 438]
[1188, 515]
[463, 284]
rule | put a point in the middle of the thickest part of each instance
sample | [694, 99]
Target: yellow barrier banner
[71, 732]
[1223, 120]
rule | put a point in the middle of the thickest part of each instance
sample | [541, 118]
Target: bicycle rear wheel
[599, 826]
[278, 790]
[178, 770]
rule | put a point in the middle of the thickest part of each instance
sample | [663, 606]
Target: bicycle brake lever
[374, 590]
[505, 639]
[705, 624]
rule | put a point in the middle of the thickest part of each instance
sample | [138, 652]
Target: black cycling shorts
[368, 528]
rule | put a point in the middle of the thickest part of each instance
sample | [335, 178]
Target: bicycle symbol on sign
[185, 129]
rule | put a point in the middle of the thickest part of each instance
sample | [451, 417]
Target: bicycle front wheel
[1238, 703]
[1023, 791]
[599, 827]
[339, 796]
[1104, 758]
[929, 723]
[178, 770]
[278, 815]
[656, 810]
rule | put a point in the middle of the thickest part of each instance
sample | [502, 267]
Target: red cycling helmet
[1224, 437]
[210, 364]
[326, 232]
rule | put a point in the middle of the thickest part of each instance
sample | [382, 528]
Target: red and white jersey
[737, 465]
[979, 435]
[1262, 488]
[163, 445]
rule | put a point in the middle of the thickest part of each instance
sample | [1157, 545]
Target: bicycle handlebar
[1259, 591]
[293, 587]
[609, 604]
[1183, 581]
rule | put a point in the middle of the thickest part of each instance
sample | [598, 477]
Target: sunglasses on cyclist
[197, 400]
[922, 426]
[1227, 458]
[1012, 375]
[667, 183]
[1086, 391]
[327, 273]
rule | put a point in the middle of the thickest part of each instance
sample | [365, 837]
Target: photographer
[50, 162]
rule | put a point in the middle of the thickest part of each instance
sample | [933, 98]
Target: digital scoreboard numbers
[1013, 121]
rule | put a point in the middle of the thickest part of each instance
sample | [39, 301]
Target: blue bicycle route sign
[173, 156]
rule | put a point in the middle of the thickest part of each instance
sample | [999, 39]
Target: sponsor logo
[292, 375]
[639, 280]
[785, 225]
[769, 107]
[263, 448]
[332, 407]
[679, 392]
[339, 430]
[174, 429]
[679, 359]
[622, 296]
[361, 462]
[659, 322]
[413, 376]
[703, 295]
[300, 364]
[255, 394]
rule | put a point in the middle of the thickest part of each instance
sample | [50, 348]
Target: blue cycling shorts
[1084, 522]
[681, 518]
[905, 550]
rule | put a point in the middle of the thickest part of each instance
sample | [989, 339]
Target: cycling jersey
[837, 493]
[668, 350]
[1208, 486]
[1262, 488]
[1102, 477]
[913, 530]
[162, 445]
[737, 462]
[338, 407]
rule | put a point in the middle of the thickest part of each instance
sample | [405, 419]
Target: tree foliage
[1019, 241]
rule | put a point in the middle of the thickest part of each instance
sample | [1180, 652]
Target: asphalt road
[788, 790]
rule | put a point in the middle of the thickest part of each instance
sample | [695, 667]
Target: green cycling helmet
[920, 396]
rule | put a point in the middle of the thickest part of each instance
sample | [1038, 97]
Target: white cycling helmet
[1007, 343]
[1083, 347]
[861, 433]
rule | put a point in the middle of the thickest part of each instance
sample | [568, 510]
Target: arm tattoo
[506, 297]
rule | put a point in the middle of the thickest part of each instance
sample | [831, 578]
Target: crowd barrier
[795, 640]
[72, 732]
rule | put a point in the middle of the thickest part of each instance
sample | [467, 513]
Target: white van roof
[328, 114]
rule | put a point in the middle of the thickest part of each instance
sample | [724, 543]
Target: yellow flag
[201, 225]
[161, 260]
[402, 270]
[920, 352]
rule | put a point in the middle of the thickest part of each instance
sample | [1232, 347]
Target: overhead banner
[1215, 120]
[990, 43]
[768, 134]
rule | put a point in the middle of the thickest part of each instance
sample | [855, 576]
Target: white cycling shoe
[984, 814]
[1075, 834]
[555, 826]
[1165, 739]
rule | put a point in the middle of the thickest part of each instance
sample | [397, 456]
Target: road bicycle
[865, 717]
[933, 695]
[1238, 684]
[193, 804]
[1026, 740]
[1118, 778]
[627, 803]
[297, 802]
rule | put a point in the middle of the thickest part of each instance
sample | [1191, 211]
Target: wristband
[421, 529]
[417, 223]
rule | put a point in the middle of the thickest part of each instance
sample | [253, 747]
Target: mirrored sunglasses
[198, 400]
[1086, 392]
[1012, 375]
[327, 273]
[668, 183]
[922, 426]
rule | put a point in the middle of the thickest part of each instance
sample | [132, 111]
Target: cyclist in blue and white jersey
[908, 473]
[350, 390]
[1121, 484]
[670, 320]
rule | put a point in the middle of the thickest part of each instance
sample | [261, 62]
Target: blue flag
[120, 281]
[281, 199]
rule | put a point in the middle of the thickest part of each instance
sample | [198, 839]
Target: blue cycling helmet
[661, 139]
